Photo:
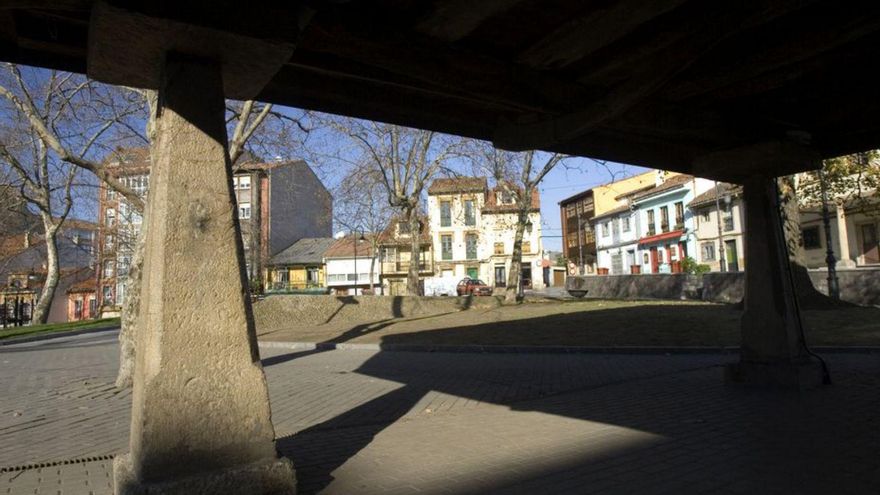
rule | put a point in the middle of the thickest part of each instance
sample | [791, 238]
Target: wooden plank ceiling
[657, 83]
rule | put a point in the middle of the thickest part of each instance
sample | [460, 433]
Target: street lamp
[356, 241]
[721, 265]
[830, 260]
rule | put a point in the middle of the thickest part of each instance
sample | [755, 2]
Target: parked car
[473, 286]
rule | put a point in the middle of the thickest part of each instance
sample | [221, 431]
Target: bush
[690, 265]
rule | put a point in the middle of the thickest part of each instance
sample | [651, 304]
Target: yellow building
[609, 196]
[300, 267]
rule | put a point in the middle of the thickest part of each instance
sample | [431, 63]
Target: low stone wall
[278, 311]
[857, 285]
[724, 287]
[648, 286]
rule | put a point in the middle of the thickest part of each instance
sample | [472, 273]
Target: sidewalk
[378, 422]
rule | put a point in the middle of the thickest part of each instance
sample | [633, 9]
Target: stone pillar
[200, 410]
[773, 350]
[843, 259]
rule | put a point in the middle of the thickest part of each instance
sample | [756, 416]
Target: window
[111, 194]
[569, 211]
[108, 242]
[728, 219]
[645, 259]
[706, 217]
[108, 268]
[651, 225]
[707, 251]
[282, 275]
[810, 238]
[244, 211]
[446, 247]
[470, 241]
[504, 198]
[403, 228]
[664, 219]
[605, 229]
[445, 213]
[93, 307]
[470, 218]
[499, 248]
[77, 309]
[110, 217]
[244, 182]
[108, 294]
[572, 239]
[526, 247]
[679, 215]
[389, 254]
[624, 222]
[312, 275]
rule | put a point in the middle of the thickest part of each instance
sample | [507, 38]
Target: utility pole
[580, 246]
[721, 264]
[830, 260]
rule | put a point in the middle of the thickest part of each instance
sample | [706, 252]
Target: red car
[473, 286]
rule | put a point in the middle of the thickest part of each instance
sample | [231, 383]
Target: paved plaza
[408, 422]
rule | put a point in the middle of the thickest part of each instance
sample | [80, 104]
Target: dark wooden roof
[660, 83]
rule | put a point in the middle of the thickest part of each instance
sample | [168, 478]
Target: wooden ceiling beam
[459, 71]
[789, 57]
[452, 20]
[648, 71]
[598, 28]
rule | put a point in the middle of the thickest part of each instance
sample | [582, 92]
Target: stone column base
[269, 477]
[801, 376]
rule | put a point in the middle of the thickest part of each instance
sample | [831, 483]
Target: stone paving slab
[359, 421]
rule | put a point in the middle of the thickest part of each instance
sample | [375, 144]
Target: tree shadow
[762, 422]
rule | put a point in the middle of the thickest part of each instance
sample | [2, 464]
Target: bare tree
[404, 160]
[361, 205]
[517, 176]
[53, 123]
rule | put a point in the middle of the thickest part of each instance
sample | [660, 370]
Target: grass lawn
[57, 327]
[586, 323]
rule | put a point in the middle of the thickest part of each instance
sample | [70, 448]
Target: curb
[53, 335]
[516, 349]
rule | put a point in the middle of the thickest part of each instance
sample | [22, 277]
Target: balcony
[403, 266]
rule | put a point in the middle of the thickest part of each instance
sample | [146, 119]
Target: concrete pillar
[200, 413]
[843, 259]
[773, 350]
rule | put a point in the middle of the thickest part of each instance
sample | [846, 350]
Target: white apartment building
[473, 229]
[726, 243]
[617, 240]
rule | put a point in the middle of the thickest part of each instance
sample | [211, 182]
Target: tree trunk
[41, 310]
[514, 277]
[412, 277]
[130, 311]
[808, 296]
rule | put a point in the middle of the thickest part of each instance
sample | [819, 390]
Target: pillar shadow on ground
[739, 438]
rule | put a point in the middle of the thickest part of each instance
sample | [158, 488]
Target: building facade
[277, 204]
[457, 226]
[473, 230]
[395, 255]
[300, 267]
[578, 237]
[719, 216]
[349, 261]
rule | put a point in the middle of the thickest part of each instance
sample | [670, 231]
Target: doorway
[500, 276]
[655, 260]
[870, 243]
[731, 255]
[473, 272]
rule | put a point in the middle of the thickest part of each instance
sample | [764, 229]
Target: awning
[665, 236]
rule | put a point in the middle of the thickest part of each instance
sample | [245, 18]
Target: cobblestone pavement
[398, 422]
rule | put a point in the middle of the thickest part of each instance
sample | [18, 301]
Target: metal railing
[403, 266]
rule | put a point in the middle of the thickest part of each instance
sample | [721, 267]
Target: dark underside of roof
[659, 83]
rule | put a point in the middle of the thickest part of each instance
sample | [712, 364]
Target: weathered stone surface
[200, 404]
[270, 477]
[642, 286]
[724, 287]
[773, 348]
